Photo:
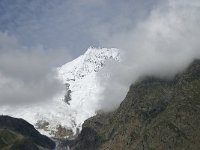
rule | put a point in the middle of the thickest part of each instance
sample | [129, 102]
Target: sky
[71, 25]
[38, 35]
[156, 38]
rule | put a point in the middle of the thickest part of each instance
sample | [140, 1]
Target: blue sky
[73, 25]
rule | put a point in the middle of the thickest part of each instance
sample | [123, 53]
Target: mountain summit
[92, 61]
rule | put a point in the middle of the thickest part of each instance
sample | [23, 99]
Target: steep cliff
[156, 114]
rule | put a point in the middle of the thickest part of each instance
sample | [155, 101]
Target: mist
[161, 45]
[27, 74]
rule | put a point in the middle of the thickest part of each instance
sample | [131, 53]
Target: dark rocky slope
[155, 115]
[17, 134]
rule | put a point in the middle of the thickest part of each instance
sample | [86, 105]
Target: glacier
[81, 78]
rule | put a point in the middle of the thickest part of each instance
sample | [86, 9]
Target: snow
[81, 75]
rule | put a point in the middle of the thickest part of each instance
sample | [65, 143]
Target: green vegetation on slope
[17, 134]
[7, 137]
[10, 140]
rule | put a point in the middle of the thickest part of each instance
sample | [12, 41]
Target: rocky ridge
[156, 114]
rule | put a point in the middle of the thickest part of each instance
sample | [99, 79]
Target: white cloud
[161, 45]
[26, 74]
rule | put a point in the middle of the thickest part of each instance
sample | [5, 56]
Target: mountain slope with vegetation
[17, 134]
[156, 114]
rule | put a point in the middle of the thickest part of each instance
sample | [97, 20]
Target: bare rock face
[156, 114]
[63, 133]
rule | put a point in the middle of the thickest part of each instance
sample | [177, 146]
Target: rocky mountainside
[17, 134]
[156, 114]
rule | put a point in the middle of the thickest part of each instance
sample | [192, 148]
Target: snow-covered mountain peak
[101, 53]
[72, 107]
[91, 61]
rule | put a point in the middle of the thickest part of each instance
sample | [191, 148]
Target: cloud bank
[162, 45]
[26, 74]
